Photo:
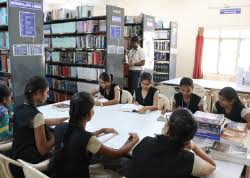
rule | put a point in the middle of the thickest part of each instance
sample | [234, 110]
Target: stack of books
[209, 125]
[235, 133]
[5, 65]
[230, 153]
[160, 45]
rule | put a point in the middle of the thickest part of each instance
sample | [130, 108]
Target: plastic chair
[31, 172]
[205, 95]
[168, 92]
[5, 145]
[4, 166]
[126, 97]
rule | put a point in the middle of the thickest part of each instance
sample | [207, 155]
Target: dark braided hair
[182, 127]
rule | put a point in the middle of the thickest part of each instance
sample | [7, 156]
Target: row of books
[162, 34]
[130, 31]
[161, 67]
[73, 27]
[60, 14]
[64, 85]
[161, 24]
[5, 65]
[161, 56]
[64, 71]
[91, 26]
[161, 45]
[74, 72]
[159, 78]
[3, 16]
[91, 41]
[97, 57]
[4, 40]
[56, 97]
[134, 19]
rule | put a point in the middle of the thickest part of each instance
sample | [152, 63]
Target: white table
[212, 84]
[143, 124]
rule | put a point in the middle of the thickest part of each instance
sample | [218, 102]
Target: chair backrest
[31, 172]
[205, 95]
[166, 96]
[59, 132]
[4, 166]
[126, 97]
[5, 146]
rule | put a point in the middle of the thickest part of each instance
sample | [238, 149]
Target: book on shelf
[115, 141]
[63, 28]
[231, 153]
[63, 85]
[4, 40]
[159, 78]
[161, 45]
[130, 108]
[47, 29]
[47, 42]
[161, 68]
[64, 71]
[85, 11]
[130, 31]
[161, 56]
[134, 19]
[91, 41]
[89, 73]
[64, 42]
[5, 65]
[61, 107]
[3, 16]
[96, 58]
[87, 26]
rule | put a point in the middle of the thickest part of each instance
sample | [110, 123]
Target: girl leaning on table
[146, 95]
[32, 139]
[78, 145]
[171, 154]
[230, 105]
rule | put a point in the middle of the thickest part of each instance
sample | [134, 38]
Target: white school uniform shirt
[136, 55]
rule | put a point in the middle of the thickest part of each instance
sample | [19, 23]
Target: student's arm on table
[55, 121]
[151, 108]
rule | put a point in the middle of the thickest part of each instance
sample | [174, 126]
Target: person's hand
[109, 130]
[133, 137]
[142, 110]
[98, 103]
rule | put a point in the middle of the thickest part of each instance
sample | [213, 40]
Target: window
[226, 50]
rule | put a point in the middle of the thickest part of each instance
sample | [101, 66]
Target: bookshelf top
[75, 20]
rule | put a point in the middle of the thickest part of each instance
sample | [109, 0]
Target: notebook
[131, 108]
[115, 141]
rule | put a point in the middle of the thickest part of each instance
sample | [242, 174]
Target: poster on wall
[115, 32]
[21, 50]
[27, 24]
[120, 50]
[111, 49]
[36, 49]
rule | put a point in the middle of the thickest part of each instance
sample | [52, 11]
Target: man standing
[136, 59]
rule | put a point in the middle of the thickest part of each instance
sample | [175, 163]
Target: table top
[143, 124]
[212, 84]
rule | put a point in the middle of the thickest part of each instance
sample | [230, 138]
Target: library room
[124, 89]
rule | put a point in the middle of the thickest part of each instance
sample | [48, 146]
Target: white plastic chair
[126, 97]
[205, 95]
[168, 92]
[4, 166]
[31, 172]
[5, 145]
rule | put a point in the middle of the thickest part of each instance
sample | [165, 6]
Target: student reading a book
[74, 158]
[230, 105]
[108, 90]
[172, 154]
[5, 101]
[32, 139]
[186, 98]
[146, 95]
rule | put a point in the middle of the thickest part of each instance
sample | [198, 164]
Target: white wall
[190, 14]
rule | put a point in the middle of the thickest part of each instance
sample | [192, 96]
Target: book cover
[210, 118]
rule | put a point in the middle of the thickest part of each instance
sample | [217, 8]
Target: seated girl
[186, 98]
[230, 105]
[146, 95]
[172, 154]
[78, 145]
[108, 90]
[32, 140]
[5, 101]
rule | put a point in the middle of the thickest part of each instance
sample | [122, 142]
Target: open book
[115, 141]
[61, 107]
[131, 108]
